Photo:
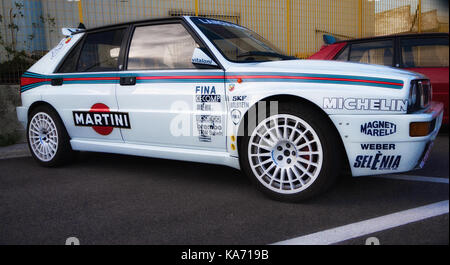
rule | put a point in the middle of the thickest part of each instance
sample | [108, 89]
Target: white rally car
[206, 90]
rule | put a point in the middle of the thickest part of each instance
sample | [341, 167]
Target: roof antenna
[81, 26]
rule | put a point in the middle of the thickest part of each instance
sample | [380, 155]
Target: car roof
[160, 19]
[427, 34]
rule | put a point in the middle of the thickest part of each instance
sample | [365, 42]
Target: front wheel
[292, 155]
[47, 137]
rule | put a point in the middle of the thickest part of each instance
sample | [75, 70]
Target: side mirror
[200, 57]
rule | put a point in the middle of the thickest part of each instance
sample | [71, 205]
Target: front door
[170, 101]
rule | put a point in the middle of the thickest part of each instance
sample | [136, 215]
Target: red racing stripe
[180, 77]
[91, 78]
[312, 78]
[31, 80]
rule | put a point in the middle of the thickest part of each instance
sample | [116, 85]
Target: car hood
[327, 67]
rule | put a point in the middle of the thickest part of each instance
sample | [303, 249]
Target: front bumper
[381, 144]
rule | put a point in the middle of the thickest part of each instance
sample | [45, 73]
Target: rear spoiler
[70, 31]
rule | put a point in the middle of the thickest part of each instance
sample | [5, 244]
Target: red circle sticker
[103, 130]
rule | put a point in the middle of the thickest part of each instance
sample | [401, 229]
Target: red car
[425, 53]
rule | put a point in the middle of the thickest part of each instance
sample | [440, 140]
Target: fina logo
[378, 128]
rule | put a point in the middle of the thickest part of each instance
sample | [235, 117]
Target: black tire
[64, 152]
[331, 148]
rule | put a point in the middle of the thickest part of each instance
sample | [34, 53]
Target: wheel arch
[40, 103]
[284, 98]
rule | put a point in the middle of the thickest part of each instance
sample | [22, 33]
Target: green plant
[17, 60]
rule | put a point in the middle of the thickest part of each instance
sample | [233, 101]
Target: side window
[70, 63]
[100, 51]
[343, 56]
[430, 52]
[156, 47]
[373, 52]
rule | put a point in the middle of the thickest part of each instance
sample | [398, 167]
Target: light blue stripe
[312, 81]
[172, 74]
[400, 82]
[180, 81]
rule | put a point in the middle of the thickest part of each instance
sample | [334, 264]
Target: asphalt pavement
[115, 199]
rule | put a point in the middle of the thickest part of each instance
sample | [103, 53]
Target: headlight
[425, 93]
[419, 95]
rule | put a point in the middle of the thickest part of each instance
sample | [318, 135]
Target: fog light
[417, 129]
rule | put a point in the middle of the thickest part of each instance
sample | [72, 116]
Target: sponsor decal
[366, 104]
[209, 125]
[231, 87]
[208, 103]
[239, 98]
[206, 94]
[202, 61]
[204, 107]
[56, 50]
[68, 39]
[235, 116]
[218, 22]
[378, 146]
[378, 161]
[378, 128]
[238, 102]
[101, 119]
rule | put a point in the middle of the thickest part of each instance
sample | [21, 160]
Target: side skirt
[192, 155]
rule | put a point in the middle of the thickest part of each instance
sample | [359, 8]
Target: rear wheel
[292, 155]
[47, 137]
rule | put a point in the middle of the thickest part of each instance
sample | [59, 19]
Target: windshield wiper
[268, 54]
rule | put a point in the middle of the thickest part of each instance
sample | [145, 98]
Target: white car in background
[205, 90]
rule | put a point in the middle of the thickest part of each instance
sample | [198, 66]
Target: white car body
[353, 96]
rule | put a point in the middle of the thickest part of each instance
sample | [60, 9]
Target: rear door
[429, 56]
[171, 102]
[84, 86]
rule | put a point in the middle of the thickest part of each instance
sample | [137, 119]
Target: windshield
[238, 44]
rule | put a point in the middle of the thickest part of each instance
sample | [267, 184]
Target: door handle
[128, 81]
[56, 81]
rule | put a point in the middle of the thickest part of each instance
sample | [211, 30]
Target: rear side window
[343, 56]
[154, 47]
[429, 52]
[70, 63]
[100, 51]
[373, 52]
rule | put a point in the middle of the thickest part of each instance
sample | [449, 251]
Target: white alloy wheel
[285, 154]
[43, 136]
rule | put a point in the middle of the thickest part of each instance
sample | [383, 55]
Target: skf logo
[101, 119]
[378, 128]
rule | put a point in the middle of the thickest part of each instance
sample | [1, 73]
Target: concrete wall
[11, 131]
